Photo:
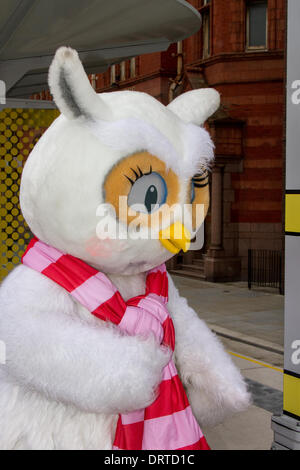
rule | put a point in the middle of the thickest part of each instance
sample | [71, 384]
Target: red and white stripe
[168, 423]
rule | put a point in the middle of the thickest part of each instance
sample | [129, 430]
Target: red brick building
[240, 51]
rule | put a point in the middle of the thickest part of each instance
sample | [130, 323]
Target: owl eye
[148, 193]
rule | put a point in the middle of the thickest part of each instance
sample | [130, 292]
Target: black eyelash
[199, 178]
[138, 174]
[200, 185]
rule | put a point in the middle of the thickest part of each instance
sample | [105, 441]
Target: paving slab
[254, 313]
[251, 429]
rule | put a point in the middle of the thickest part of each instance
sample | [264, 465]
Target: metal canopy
[104, 32]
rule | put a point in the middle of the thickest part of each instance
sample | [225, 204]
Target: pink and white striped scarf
[168, 423]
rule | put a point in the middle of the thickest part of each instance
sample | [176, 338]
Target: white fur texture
[63, 363]
[142, 118]
[197, 105]
[134, 135]
[68, 374]
[71, 88]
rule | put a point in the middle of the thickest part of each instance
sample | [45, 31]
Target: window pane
[257, 33]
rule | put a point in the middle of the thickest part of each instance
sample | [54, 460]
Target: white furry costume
[57, 389]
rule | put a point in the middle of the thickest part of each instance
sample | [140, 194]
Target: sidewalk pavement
[251, 429]
[233, 310]
[250, 325]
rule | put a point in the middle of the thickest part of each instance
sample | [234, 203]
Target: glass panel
[257, 24]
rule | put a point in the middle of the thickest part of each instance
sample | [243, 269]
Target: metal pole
[287, 426]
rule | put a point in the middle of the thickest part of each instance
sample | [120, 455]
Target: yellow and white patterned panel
[20, 129]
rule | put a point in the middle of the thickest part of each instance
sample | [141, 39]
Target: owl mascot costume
[102, 351]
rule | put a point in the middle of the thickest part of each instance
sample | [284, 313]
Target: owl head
[117, 178]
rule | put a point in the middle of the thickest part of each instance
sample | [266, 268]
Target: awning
[104, 32]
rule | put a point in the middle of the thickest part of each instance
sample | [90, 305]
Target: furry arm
[214, 385]
[79, 361]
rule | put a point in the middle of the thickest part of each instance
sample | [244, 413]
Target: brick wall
[252, 89]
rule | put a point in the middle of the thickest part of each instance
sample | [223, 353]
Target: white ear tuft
[71, 89]
[196, 106]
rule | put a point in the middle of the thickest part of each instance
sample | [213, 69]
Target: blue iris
[148, 193]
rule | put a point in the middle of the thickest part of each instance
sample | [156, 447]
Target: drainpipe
[179, 58]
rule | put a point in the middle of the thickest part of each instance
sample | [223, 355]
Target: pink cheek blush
[104, 248]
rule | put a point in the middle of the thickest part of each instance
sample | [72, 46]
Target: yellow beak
[175, 238]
